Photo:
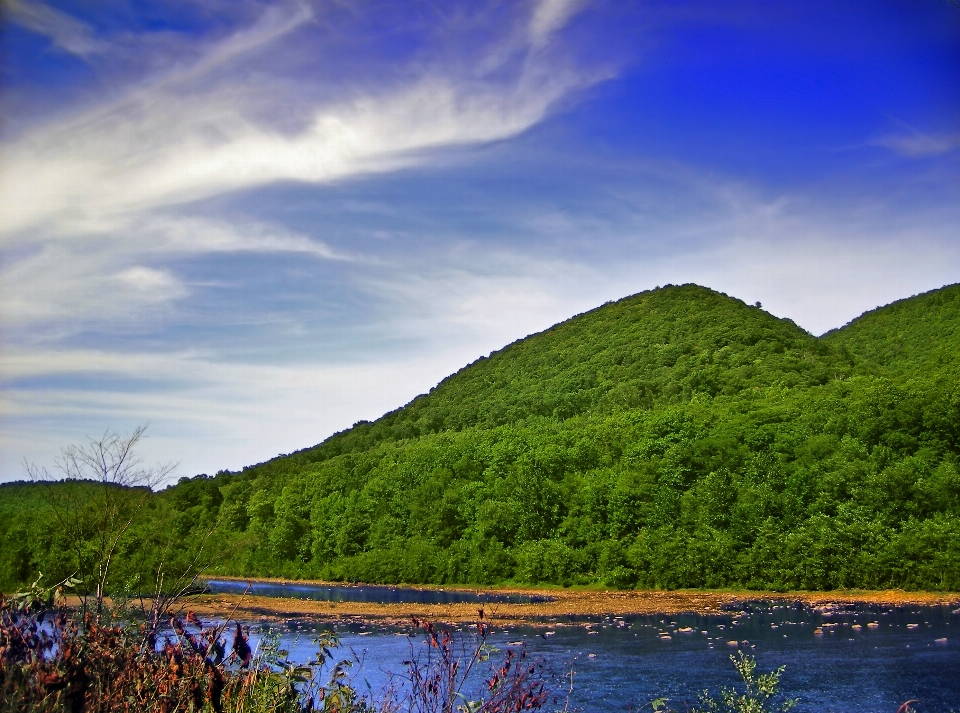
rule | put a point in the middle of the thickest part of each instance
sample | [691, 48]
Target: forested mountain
[917, 336]
[675, 438]
[648, 350]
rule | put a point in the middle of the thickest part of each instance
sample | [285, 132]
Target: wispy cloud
[919, 145]
[910, 141]
[175, 150]
[91, 204]
[63, 30]
[90, 197]
[148, 280]
[177, 234]
[176, 138]
[67, 281]
[550, 16]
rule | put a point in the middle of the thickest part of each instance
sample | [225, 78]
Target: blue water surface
[862, 659]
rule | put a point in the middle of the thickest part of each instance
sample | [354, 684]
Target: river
[855, 658]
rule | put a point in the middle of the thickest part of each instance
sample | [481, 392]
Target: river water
[863, 659]
[371, 593]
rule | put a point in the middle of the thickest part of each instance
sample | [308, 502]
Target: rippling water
[863, 659]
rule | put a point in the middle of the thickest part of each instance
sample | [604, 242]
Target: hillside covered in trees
[675, 438]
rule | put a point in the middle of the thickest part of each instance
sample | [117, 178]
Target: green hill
[646, 351]
[919, 336]
[675, 438]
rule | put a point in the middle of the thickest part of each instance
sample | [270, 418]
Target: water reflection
[375, 594]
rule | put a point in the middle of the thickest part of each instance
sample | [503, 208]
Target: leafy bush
[760, 694]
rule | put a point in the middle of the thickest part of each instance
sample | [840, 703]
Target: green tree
[104, 488]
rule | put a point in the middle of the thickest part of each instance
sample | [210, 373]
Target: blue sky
[251, 224]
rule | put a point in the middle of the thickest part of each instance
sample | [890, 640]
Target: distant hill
[675, 438]
[916, 336]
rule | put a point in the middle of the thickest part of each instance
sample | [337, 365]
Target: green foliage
[915, 336]
[761, 693]
[676, 438]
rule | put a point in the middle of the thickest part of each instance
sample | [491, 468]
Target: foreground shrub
[52, 660]
[760, 694]
[438, 676]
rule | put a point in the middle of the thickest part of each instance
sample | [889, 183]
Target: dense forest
[675, 438]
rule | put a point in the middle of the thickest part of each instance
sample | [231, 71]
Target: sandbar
[566, 604]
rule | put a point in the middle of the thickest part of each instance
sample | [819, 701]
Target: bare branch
[95, 500]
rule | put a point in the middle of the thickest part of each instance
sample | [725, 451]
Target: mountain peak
[653, 348]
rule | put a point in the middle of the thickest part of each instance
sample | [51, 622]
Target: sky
[248, 225]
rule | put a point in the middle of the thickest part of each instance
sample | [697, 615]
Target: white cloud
[146, 279]
[68, 33]
[190, 133]
[918, 145]
[184, 235]
[68, 286]
[550, 16]
[66, 281]
[89, 203]
[174, 150]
